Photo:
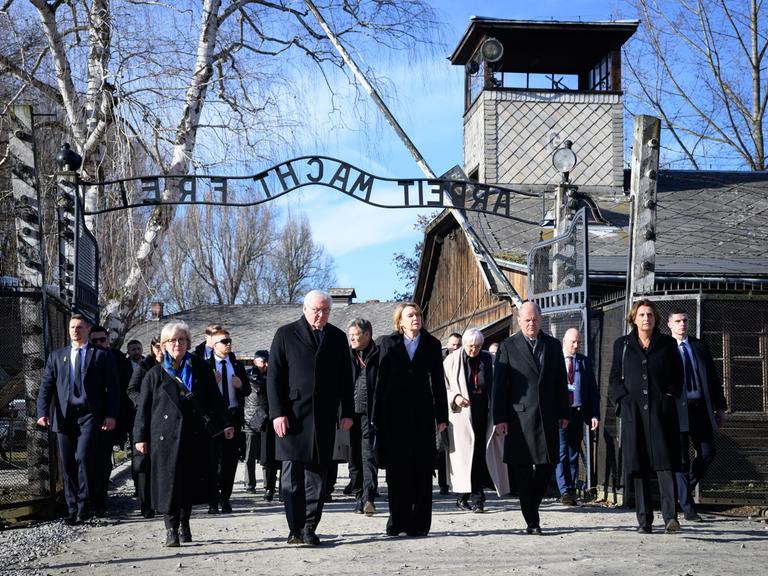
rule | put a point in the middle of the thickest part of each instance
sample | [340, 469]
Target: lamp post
[564, 159]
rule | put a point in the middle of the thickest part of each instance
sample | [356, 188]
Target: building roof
[708, 223]
[252, 327]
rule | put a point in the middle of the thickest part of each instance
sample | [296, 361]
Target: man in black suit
[234, 386]
[700, 411]
[530, 405]
[310, 375]
[584, 403]
[79, 395]
[205, 349]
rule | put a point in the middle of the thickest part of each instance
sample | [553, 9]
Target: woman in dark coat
[409, 402]
[646, 379]
[169, 425]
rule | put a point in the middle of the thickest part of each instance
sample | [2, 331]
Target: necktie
[224, 383]
[318, 337]
[570, 380]
[690, 381]
[77, 384]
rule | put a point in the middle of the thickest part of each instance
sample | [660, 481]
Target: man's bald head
[571, 341]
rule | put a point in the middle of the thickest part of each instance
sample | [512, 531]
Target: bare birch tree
[700, 66]
[187, 84]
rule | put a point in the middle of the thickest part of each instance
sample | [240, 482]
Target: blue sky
[428, 104]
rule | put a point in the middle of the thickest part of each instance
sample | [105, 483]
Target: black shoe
[568, 499]
[171, 538]
[416, 533]
[310, 538]
[226, 507]
[644, 529]
[185, 534]
[213, 509]
[295, 538]
[268, 495]
[71, 520]
[444, 491]
[462, 504]
[478, 508]
[358, 507]
[251, 489]
[100, 512]
[392, 532]
[672, 526]
[693, 517]
[327, 498]
[148, 514]
[348, 489]
[534, 530]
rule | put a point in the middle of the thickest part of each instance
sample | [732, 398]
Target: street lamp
[564, 159]
[67, 159]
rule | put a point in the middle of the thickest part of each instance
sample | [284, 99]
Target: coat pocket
[293, 394]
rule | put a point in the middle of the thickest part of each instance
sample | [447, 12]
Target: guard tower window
[600, 75]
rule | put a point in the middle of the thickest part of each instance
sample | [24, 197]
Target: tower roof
[539, 46]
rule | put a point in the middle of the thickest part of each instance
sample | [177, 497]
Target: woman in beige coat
[475, 453]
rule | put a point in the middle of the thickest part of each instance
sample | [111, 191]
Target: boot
[172, 538]
[185, 533]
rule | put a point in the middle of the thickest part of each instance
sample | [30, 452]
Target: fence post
[30, 266]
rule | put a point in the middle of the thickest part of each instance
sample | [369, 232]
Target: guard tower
[531, 85]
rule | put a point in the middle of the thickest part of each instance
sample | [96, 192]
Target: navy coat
[307, 384]
[711, 389]
[100, 384]
[531, 400]
[590, 396]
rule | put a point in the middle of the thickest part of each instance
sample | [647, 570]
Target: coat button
[165, 416]
[162, 437]
[644, 362]
[645, 406]
[645, 391]
[645, 377]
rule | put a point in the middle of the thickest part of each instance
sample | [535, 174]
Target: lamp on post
[564, 159]
[67, 159]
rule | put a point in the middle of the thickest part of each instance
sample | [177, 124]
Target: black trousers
[409, 482]
[532, 485]
[176, 515]
[78, 446]
[252, 454]
[103, 468]
[229, 454]
[643, 501]
[302, 487]
[363, 473]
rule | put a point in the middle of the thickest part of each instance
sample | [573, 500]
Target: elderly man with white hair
[476, 454]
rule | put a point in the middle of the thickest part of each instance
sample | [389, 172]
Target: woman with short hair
[179, 410]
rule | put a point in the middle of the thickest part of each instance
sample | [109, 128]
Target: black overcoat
[307, 384]
[530, 399]
[646, 401]
[176, 435]
[409, 400]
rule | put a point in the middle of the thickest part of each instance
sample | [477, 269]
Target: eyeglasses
[319, 310]
[225, 341]
[175, 341]
[99, 340]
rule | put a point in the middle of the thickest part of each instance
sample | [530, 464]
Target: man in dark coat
[700, 410]
[363, 472]
[79, 398]
[309, 377]
[584, 403]
[530, 405]
[234, 386]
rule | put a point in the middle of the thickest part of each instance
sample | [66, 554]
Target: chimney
[156, 309]
[342, 295]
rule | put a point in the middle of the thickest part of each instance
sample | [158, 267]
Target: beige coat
[462, 437]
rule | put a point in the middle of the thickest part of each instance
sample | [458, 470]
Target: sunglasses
[96, 340]
[225, 341]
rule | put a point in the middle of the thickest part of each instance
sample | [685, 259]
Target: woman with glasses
[178, 411]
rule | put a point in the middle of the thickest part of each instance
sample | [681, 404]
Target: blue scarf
[184, 373]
